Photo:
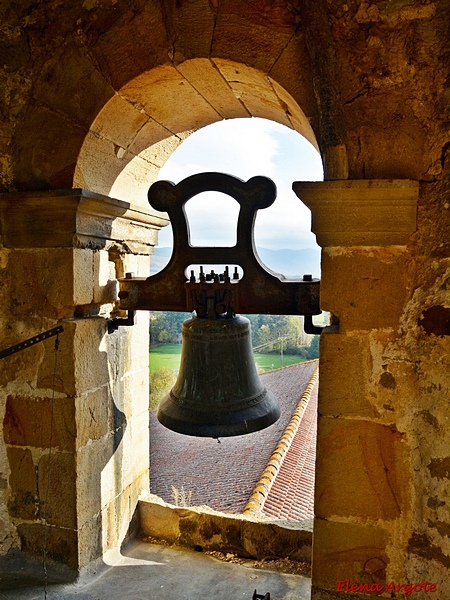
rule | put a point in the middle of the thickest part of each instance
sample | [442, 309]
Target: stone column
[362, 497]
[61, 254]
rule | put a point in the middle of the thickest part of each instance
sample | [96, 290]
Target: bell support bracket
[259, 291]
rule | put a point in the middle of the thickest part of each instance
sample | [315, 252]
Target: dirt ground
[269, 563]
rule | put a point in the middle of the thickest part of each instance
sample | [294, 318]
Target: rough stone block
[98, 165]
[252, 40]
[100, 474]
[361, 212]
[90, 544]
[341, 551]
[361, 469]
[345, 369]
[157, 521]
[55, 370]
[115, 520]
[297, 87]
[61, 543]
[104, 278]
[91, 360]
[161, 91]
[94, 415]
[67, 81]
[129, 460]
[132, 185]
[120, 122]
[254, 90]
[83, 276]
[30, 422]
[213, 87]
[57, 489]
[41, 283]
[24, 495]
[131, 393]
[136, 448]
[149, 139]
[366, 289]
[213, 530]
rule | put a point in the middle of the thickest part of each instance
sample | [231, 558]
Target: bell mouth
[219, 423]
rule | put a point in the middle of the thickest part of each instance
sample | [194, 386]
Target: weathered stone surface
[201, 526]
[361, 470]
[348, 548]
[120, 122]
[167, 84]
[66, 84]
[213, 87]
[343, 388]
[366, 289]
[24, 499]
[97, 488]
[36, 421]
[61, 543]
[194, 40]
[57, 489]
[37, 156]
[254, 90]
[84, 221]
[360, 212]
[113, 41]
[94, 415]
[248, 35]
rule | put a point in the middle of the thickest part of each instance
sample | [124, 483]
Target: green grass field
[168, 356]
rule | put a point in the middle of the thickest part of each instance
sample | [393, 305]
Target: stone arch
[145, 121]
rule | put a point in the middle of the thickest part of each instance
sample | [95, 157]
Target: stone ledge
[76, 218]
[361, 212]
[211, 530]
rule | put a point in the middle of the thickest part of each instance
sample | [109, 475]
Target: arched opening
[284, 242]
[149, 117]
[158, 112]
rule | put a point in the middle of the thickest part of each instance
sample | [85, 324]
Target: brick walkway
[222, 476]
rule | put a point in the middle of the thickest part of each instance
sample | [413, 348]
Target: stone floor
[152, 572]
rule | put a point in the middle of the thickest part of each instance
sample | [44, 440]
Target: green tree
[170, 323]
[161, 382]
[313, 349]
[164, 337]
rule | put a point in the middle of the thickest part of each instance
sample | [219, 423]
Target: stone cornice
[76, 218]
[361, 212]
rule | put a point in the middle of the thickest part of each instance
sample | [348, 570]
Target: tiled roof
[291, 496]
[223, 476]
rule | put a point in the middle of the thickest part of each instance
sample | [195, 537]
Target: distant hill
[290, 263]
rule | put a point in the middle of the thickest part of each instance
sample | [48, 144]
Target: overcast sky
[245, 148]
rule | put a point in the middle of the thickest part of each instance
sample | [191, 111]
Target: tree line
[270, 333]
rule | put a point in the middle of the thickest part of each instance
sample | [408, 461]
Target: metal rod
[31, 341]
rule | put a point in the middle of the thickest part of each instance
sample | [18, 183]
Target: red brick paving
[222, 476]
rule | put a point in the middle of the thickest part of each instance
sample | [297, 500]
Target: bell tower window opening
[285, 232]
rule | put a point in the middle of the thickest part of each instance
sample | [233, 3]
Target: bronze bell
[218, 392]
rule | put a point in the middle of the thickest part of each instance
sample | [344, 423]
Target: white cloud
[245, 148]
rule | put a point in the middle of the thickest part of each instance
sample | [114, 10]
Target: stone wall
[207, 529]
[75, 448]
